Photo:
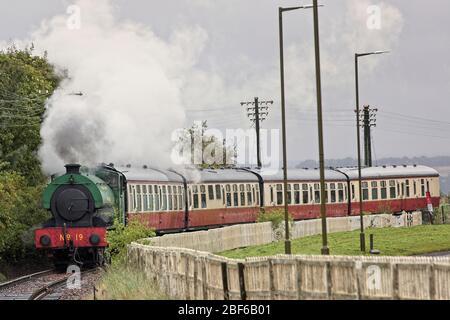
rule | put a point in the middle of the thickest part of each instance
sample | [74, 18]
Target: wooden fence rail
[189, 274]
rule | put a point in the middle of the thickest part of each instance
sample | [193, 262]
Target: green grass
[390, 241]
[123, 283]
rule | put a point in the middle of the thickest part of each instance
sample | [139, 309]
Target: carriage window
[169, 193]
[189, 198]
[279, 194]
[203, 196]
[422, 187]
[289, 194]
[195, 197]
[175, 198]
[218, 193]
[405, 188]
[180, 198]
[305, 193]
[271, 194]
[134, 199]
[145, 198]
[164, 198]
[139, 199]
[235, 196]
[374, 186]
[415, 188]
[333, 192]
[317, 193]
[392, 190]
[383, 189]
[150, 198]
[228, 195]
[249, 195]
[257, 197]
[157, 198]
[254, 194]
[428, 186]
[365, 190]
[353, 192]
[235, 199]
[211, 192]
[340, 192]
[296, 194]
[196, 201]
[228, 199]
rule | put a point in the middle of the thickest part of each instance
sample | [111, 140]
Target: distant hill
[441, 164]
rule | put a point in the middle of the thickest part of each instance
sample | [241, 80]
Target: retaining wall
[188, 274]
[239, 236]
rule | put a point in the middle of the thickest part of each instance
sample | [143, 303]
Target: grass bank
[390, 241]
[123, 283]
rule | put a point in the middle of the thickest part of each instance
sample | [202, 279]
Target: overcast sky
[240, 57]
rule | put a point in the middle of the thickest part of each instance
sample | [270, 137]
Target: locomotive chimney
[73, 168]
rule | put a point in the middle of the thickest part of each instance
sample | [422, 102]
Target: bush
[125, 283]
[274, 216]
[121, 236]
[20, 213]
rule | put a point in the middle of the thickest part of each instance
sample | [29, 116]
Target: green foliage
[2, 278]
[125, 283]
[19, 213]
[26, 82]
[442, 214]
[121, 236]
[275, 216]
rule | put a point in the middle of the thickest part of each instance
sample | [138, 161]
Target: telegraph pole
[257, 114]
[368, 119]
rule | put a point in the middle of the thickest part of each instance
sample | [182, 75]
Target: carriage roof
[391, 172]
[151, 175]
[301, 175]
[220, 175]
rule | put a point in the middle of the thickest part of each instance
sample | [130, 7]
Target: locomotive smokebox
[73, 168]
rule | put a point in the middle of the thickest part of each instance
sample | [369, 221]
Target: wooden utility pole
[368, 119]
[257, 114]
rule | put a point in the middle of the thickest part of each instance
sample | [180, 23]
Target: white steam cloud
[131, 82]
[138, 86]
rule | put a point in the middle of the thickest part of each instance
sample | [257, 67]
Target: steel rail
[48, 289]
[23, 279]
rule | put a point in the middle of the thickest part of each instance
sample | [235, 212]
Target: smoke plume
[131, 82]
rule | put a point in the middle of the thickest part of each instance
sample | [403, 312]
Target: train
[84, 202]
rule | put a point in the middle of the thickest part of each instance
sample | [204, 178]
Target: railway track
[44, 285]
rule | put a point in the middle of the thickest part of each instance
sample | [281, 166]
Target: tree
[213, 151]
[20, 210]
[26, 82]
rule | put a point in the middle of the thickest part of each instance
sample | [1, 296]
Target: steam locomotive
[83, 206]
[85, 202]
